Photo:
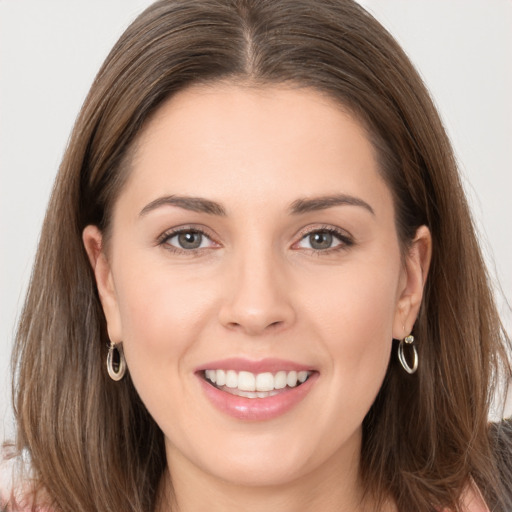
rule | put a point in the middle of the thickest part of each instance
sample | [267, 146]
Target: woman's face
[254, 246]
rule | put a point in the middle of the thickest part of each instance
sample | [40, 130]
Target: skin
[256, 288]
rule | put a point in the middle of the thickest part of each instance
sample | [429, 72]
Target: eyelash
[346, 241]
[165, 237]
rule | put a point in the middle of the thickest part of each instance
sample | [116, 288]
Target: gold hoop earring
[116, 363]
[408, 340]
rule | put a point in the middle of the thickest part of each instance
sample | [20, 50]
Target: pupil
[321, 240]
[190, 240]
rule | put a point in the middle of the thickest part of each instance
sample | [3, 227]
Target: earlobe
[93, 242]
[416, 266]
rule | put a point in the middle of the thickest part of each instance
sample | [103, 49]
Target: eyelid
[187, 228]
[343, 236]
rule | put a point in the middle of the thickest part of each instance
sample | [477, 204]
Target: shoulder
[16, 486]
[473, 500]
[7, 471]
[501, 441]
[501, 438]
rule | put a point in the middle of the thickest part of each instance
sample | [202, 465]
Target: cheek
[356, 302]
[353, 320]
[162, 313]
[158, 305]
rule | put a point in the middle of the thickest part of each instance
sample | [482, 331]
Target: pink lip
[256, 409]
[264, 365]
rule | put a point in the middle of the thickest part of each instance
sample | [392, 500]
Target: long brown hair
[93, 445]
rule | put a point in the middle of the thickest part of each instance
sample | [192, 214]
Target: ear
[93, 242]
[412, 283]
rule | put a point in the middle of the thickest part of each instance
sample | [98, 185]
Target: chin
[274, 458]
[259, 473]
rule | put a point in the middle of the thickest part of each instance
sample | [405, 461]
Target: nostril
[254, 318]
[254, 327]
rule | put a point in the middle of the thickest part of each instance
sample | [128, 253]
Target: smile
[256, 391]
[251, 385]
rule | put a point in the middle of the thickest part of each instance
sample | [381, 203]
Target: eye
[187, 239]
[323, 240]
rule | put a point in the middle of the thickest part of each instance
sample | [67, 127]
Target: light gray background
[50, 51]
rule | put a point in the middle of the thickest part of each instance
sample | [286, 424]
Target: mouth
[255, 385]
[256, 391]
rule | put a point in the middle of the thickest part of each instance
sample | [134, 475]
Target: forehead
[245, 143]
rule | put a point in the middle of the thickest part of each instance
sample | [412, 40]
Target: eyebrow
[322, 203]
[194, 204]
[298, 207]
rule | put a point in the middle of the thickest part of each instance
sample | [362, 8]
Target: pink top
[473, 501]
[15, 498]
[15, 494]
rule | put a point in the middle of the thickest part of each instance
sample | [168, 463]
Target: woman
[248, 290]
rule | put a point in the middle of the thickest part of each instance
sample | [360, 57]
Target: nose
[258, 296]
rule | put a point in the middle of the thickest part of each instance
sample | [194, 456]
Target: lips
[256, 390]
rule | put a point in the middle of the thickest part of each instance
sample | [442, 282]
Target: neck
[333, 487]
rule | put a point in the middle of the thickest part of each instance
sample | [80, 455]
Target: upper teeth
[247, 381]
